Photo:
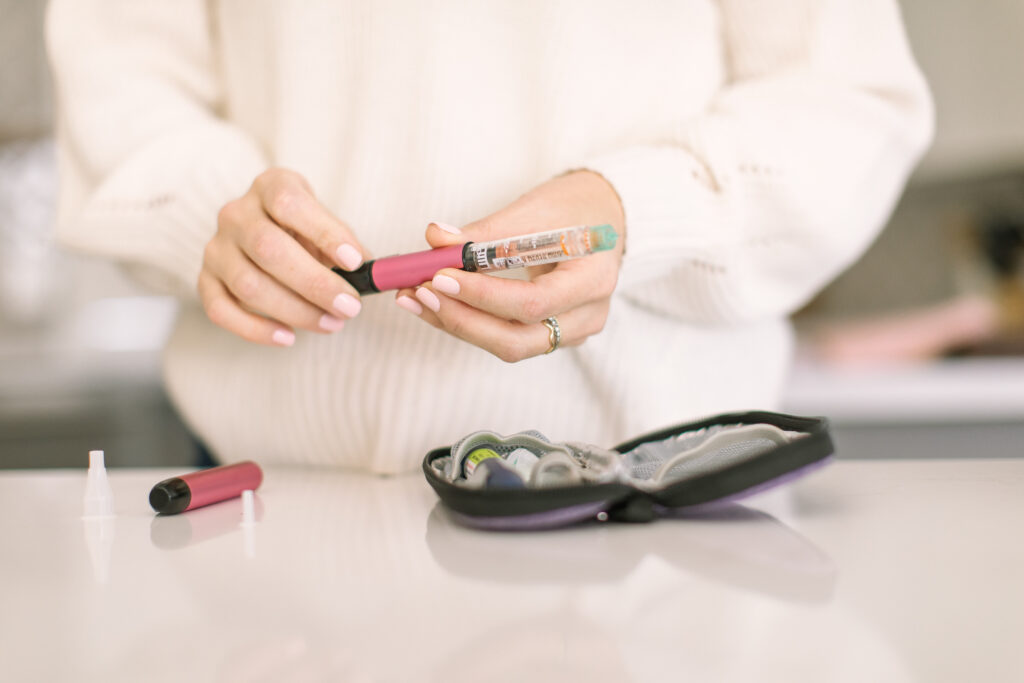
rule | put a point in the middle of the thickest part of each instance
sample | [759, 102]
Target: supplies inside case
[525, 480]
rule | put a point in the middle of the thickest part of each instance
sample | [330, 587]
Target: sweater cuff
[159, 208]
[671, 209]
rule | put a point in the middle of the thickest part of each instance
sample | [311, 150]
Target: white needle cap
[99, 499]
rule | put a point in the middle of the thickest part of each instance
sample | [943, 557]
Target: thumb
[509, 222]
[444, 235]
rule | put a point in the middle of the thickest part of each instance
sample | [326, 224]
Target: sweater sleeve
[145, 161]
[790, 172]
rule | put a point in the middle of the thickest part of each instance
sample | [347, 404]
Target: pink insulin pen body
[406, 270]
[194, 490]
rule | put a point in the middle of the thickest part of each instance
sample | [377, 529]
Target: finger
[406, 300]
[257, 291]
[288, 199]
[580, 324]
[224, 311]
[277, 253]
[569, 285]
[511, 341]
[313, 249]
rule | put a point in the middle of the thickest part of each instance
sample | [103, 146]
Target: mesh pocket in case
[535, 484]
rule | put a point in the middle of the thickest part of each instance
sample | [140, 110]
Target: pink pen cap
[205, 487]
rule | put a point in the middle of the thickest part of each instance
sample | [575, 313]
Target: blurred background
[916, 351]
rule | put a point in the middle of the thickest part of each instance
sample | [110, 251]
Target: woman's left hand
[505, 316]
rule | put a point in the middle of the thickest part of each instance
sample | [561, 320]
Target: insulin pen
[205, 487]
[410, 270]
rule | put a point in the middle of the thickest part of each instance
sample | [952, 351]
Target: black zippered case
[688, 467]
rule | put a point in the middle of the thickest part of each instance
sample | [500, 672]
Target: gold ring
[554, 333]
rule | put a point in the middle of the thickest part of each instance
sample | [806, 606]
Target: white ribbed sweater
[757, 149]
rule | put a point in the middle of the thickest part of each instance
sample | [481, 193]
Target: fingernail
[283, 337]
[428, 299]
[409, 304]
[330, 323]
[348, 305]
[349, 256]
[446, 284]
[447, 228]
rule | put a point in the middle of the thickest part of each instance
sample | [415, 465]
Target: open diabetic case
[526, 481]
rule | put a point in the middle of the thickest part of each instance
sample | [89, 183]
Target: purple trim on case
[578, 513]
[536, 520]
[746, 493]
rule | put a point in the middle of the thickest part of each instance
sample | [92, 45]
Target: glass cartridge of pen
[410, 270]
[539, 248]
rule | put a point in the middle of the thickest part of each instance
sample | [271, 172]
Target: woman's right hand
[267, 270]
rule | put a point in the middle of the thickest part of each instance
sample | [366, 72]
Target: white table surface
[865, 571]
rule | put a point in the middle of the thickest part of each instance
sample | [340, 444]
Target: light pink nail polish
[446, 284]
[348, 305]
[428, 299]
[409, 304]
[330, 323]
[283, 337]
[448, 228]
[349, 256]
